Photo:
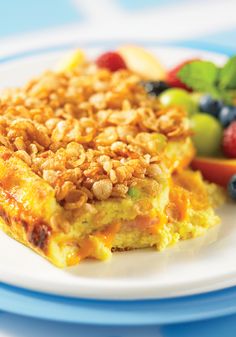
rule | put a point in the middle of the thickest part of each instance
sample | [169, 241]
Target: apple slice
[216, 170]
[142, 62]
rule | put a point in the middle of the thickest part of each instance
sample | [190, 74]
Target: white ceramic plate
[200, 265]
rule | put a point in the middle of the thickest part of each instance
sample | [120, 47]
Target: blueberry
[232, 187]
[210, 105]
[227, 115]
[155, 87]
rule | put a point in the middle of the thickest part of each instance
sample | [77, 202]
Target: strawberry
[111, 60]
[172, 76]
[229, 141]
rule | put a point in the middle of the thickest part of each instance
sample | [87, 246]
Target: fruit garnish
[111, 60]
[71, 61]
[232, 187]
[227, 115]
[216, 170]
[178, 97]
[155, 88]
[208, 134]
[173, 79]
[205, 76]
[229, 141]
[210, 105]
[142, 62]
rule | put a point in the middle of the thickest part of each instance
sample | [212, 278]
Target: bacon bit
[146, 223]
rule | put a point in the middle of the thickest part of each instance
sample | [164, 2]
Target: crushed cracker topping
[89, 133]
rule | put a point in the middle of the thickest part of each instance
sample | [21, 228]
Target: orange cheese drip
[87, 246]
[86, 249]
[179, 198]
[107, 236]
[159, 224]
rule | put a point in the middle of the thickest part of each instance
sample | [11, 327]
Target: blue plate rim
[116, 313]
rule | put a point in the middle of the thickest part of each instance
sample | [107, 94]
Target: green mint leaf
[227, 75]
[200, 76]
[214, 92]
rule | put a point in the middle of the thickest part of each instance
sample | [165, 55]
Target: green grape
[208, 134]
[179, 98]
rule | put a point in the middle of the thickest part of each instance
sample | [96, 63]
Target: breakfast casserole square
[91, 162]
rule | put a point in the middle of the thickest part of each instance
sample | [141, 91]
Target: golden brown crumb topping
[90, 133]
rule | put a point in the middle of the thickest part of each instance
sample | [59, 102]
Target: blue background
[27, 16]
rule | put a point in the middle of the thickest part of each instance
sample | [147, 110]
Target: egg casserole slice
[90, 164]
